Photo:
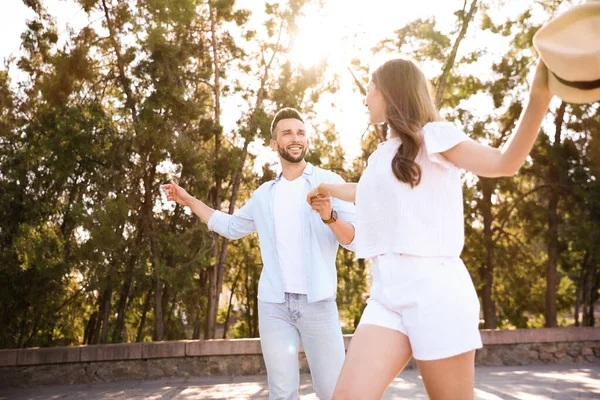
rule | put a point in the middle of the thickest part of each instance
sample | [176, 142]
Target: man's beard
[283, 152]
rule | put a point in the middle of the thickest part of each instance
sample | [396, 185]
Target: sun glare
[320, 34]
[312, 45]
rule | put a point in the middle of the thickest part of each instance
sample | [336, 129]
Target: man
[297, 286]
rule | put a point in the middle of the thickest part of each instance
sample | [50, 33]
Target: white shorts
[431, 300]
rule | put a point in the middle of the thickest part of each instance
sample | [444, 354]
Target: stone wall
[102, 363]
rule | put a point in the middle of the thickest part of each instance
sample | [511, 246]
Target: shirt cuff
[352, 245]
[213, 221]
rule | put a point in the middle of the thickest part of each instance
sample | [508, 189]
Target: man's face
[290, 140]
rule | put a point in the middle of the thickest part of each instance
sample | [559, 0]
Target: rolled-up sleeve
[234, 226]
[346, 211]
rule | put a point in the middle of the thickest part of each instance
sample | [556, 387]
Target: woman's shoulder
[440, 136]
[392, 141]
[442, 131]
[438, 126]
[385, 147]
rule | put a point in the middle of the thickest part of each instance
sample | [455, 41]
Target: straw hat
[569, 45]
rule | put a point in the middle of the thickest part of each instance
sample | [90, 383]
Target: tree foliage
[90, 252]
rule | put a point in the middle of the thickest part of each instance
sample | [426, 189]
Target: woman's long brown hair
[409, 106]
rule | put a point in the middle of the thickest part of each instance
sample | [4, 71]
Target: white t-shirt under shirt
[427, 220]
[290, 199]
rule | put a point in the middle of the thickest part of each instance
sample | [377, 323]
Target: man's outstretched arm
[230, 226]
[179, 195]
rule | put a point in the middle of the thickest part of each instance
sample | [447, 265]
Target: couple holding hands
[405, 213]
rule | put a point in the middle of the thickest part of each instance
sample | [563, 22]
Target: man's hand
[318, 192]
[176, 193]
[322, 205]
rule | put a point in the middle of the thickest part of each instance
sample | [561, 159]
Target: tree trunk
[214, 292]
[585, 295]
[33, 332]
[130, 103]
[233, 286]
[141, 327]
[487, 272]
[120, 322]
[127, 285]
[218, 270]
[22, 328]
[594, 297]
[158, 310]
[96, 332]
[553, 175]
[592, 283]
[89, 329]
[580, 289]
[197, 326]
[106, 298]
[441, 84]
[166, 294]
[578, 294]
[169, 310]
[202, 281]
[149, 224]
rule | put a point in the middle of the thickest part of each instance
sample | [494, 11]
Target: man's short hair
[284, 113]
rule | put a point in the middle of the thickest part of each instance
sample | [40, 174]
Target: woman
[409, 220]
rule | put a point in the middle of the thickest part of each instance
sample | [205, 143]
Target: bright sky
[337, 31]
[343, 30]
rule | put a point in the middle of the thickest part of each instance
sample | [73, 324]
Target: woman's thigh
[375, 357]
[449, 378]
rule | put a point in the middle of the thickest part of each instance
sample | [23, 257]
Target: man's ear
[273, 144]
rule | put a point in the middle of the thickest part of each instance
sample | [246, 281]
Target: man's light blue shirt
[321, 245]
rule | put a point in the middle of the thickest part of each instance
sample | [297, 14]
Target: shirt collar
[307, 173]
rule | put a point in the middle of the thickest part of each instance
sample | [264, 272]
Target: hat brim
[571, 94]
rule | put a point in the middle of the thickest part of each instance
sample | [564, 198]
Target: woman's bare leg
[375, 357]
[449, 378]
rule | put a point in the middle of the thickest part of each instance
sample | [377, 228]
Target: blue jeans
[317, 325]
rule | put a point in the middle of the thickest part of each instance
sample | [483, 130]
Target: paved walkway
[539, 382]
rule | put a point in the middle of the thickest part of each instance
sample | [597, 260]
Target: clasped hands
[320, 201]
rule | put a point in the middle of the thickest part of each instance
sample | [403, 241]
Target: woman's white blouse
[427, 220]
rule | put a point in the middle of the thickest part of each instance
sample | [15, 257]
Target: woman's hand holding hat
[539, 90]
[569, 44]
